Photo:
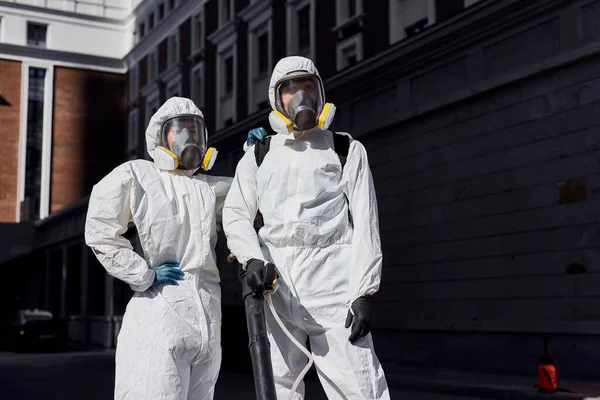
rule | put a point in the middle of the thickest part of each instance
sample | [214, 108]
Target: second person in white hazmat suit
[320, 230]
[169, 343]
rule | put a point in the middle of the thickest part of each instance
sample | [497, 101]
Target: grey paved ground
[89, 375]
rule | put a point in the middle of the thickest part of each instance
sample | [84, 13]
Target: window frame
[225, 40]
[357, 41]
[133, 132]
[256, 27]
[141, 30]
[47, 132]
[225, 19]
[341, 12]
[37, 24]
[161, 11]
[173, 55]
[151, 21]
[225, 53]
[151, 98]
[292, 26]
[134, 83]
[298, 28]
[398, 25]
[197, 94]
[258, 73]
[170, 84]
[151, 67]
[225, 91]
[198, 40]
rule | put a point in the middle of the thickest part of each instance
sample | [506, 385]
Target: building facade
[63, 120]
[53, 61]
[479, 121]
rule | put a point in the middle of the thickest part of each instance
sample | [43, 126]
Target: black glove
[260, 276]
[361, 320]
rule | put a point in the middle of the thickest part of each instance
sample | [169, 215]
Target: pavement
[89, 375]
[483, 385]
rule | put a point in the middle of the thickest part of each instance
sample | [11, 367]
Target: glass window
[262, 44]
[350, 55]
[228, 81]
[35, 133]
[174, 89]
[416, 28]
[36, 34]
[197, 32]
[151, 108]
[349, 52]
[197, 87]
[304, 28]
[152, 66]
[173, 49]
[133, 83]
[351, 4]
[133, 131]
[226, 10]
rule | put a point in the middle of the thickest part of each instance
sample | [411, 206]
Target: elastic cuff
[146, 281]
[366, 296]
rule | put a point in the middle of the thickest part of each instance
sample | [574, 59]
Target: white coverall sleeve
[365, 270]
[220, 186]
[108, 214]
[241, 206]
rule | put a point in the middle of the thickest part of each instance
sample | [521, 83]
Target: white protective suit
[169, 345]
[324, 263]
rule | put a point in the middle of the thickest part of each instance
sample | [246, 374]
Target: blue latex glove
[256, 134]
[167, 273]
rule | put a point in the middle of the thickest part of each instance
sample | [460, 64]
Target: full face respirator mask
[302, 109]
[306, 107]
[183, 145]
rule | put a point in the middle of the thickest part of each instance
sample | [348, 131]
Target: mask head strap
[288, 123]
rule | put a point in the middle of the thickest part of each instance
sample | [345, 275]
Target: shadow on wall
[3, 101]
[15, 239]
[22, 293]
[105, 126]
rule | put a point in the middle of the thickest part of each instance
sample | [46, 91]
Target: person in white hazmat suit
[169, 343]
[321, 231]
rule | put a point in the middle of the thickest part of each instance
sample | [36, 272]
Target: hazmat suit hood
[282, 68]
[171, 108]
